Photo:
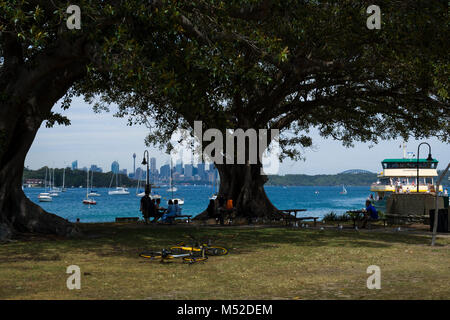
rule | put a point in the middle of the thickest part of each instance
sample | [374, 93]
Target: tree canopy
[290, 65]
[294, 66]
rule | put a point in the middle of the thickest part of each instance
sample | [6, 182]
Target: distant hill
[354, 171]
[349, 179]
[76, 178]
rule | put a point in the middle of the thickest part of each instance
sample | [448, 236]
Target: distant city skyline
[100, 139]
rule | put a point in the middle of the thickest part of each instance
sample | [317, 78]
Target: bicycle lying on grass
[197, 252]
[166, 254]
[198, 246]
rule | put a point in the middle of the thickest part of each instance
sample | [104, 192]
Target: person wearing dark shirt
[147, 206]
[371, 214]
[220, 210]
[211, 210]
[158, 210]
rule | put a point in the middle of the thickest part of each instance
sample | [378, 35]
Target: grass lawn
[263, 263]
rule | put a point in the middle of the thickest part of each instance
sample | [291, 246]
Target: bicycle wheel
[192, 259]
[216, 251]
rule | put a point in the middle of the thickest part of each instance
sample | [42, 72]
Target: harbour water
[317, 200]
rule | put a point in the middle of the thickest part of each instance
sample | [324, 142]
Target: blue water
[69, 204]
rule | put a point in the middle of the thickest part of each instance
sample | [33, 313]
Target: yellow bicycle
[198, 246]
[164, 255]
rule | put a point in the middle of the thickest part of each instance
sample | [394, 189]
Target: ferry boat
[400, 176]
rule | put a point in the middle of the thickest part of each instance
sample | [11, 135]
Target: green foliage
[291, 65]
[335, 217]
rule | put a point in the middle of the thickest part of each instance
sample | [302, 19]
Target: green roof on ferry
[407, 160]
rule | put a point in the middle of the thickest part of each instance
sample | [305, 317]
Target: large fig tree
[294, 66]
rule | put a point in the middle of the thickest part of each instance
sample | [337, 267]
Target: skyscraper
[140, 174]
[188, 171]
[153, 165]
[115, 167]
[95, 168]
[179, 168]
[201, 170]
[75, 165]
[165, 171]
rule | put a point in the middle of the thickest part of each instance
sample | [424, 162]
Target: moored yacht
[119, 191]
[45, 197]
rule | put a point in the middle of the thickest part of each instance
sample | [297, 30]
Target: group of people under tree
[151, 208]
[218, 208]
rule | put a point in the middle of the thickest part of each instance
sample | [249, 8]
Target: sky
[101, 139]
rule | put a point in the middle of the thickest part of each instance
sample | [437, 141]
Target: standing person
[220, 211]
[211, 210]
[147, 206]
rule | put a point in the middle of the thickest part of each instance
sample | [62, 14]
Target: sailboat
[118, 190]
[54, 192]
[172, 188]
[64, 181]
[45, 196]
[87, 200]
[93, 193]
[344, 191]
[214, 195]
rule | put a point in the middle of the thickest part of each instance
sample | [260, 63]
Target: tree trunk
[17, 212]
[26, 98]
[245, 186]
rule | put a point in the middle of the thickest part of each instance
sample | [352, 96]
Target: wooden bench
[127, 219]
[290, 216]
[308, 218]
[187, 217]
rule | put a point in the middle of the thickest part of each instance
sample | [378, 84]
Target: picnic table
[290, 215]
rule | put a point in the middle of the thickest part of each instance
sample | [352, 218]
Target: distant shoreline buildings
[180, 172]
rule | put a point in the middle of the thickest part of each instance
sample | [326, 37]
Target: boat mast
[45, 180]
[87, 184]
[171, 188]
[64, 177]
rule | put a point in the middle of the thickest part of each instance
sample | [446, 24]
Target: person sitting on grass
[371, 214]
[170, 213]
